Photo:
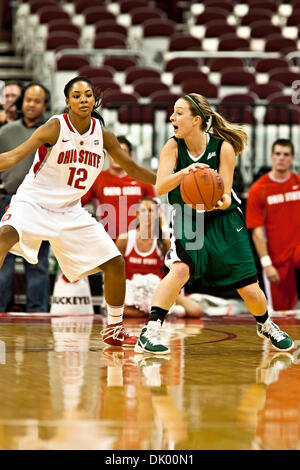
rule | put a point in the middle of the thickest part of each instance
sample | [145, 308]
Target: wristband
[266, 261]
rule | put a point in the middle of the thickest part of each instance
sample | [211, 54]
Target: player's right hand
[193, 167]
[272, 274]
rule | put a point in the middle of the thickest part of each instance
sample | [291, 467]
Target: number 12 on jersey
[77, 176]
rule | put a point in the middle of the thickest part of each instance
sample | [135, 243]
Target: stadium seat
[110, 26]
[71, 62]
[281, 110]
[221, 63]
[114, 98]
[155, 34]
[177, 62]
[237, 108]
[105, 84]
[181, 74]
[142, 14]
[136, 73]
[34, 6]
[126, 6]
[186, 42]
[219, 5]
[144, 87]
[63, 25]
[47, 14]
[264, 90]
[120, 63]
[211, 14]
[263, 5]
[61, 39]
[109, 41]
[236, 77]
[231, 42]
[203, 87]
[256, 15]
[277, 43]
[262, 29]
[284, 76]
[96, 13]
[158, 28]
[95, 72]
[215, 27]
[265, 65]
[81, 5]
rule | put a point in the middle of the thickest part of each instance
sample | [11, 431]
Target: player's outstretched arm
[46, 134]
[134, 170]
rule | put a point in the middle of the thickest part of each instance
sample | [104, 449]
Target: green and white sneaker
[279, 339]
[149, 340]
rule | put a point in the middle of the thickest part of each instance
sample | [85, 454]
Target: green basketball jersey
[211, 157]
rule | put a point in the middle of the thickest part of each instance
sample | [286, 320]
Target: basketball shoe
[149, 340]
[279, 339]
[115, 335]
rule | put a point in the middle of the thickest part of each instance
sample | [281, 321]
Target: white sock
[114, 314]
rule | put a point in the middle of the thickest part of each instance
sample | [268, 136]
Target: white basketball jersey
[62, 174]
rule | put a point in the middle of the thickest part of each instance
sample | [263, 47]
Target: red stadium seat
[232, 42]
[144, 87]
[81, 5]
[140, 15]
[135, 73]
[105, 84]
[61, 39]
[256, 15]
[63, 25]
[265, 65]
[181, 74]
[38, 4]
[281, 110]
[264, 90]
[120, 63]
[262, 29]
[126, 6]
[216, 4]
[211, 14]
[237, 108]
[236, 77]
[136, 114]
[180, 62]
[47, 14]
[278, 43]
[110, 26]
[286, 77]
[114, 98]
[96, 72]
[220, 63]
[71, 62]
[97, 13]
[184, 42]
[109, 41]
[213, 28]
[294, 19]
[158, 27]
[263, 5]
[203, 87]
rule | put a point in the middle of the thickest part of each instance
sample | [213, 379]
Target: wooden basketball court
[222, 387]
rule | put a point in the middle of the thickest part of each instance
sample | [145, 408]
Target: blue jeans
[37, 276]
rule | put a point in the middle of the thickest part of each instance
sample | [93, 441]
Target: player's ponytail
[219, 126]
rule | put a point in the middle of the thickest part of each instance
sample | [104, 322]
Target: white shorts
[79, 242]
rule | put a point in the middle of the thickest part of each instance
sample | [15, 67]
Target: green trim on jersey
[211, 157]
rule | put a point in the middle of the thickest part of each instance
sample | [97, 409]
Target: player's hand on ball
[224, 202]
[193, 167]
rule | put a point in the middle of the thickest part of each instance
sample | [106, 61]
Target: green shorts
[216, 250]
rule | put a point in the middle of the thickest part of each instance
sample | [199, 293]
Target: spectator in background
[32, 103]
[116, 195]
[12, 90]
[144, 249]
[273, 208]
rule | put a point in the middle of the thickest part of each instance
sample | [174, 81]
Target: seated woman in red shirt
[144, 249]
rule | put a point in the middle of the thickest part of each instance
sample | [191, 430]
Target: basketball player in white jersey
[69, 157]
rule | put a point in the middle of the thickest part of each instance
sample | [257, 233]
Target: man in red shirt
[116, 196]
[272, 212]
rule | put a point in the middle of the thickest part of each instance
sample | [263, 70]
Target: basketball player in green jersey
[224, 259]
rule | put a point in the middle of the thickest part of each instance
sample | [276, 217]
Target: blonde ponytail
[232, 133]
[220, 127]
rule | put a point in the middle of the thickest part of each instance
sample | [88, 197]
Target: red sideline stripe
[42, 154]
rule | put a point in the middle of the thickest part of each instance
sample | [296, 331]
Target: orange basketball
[203, 186]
